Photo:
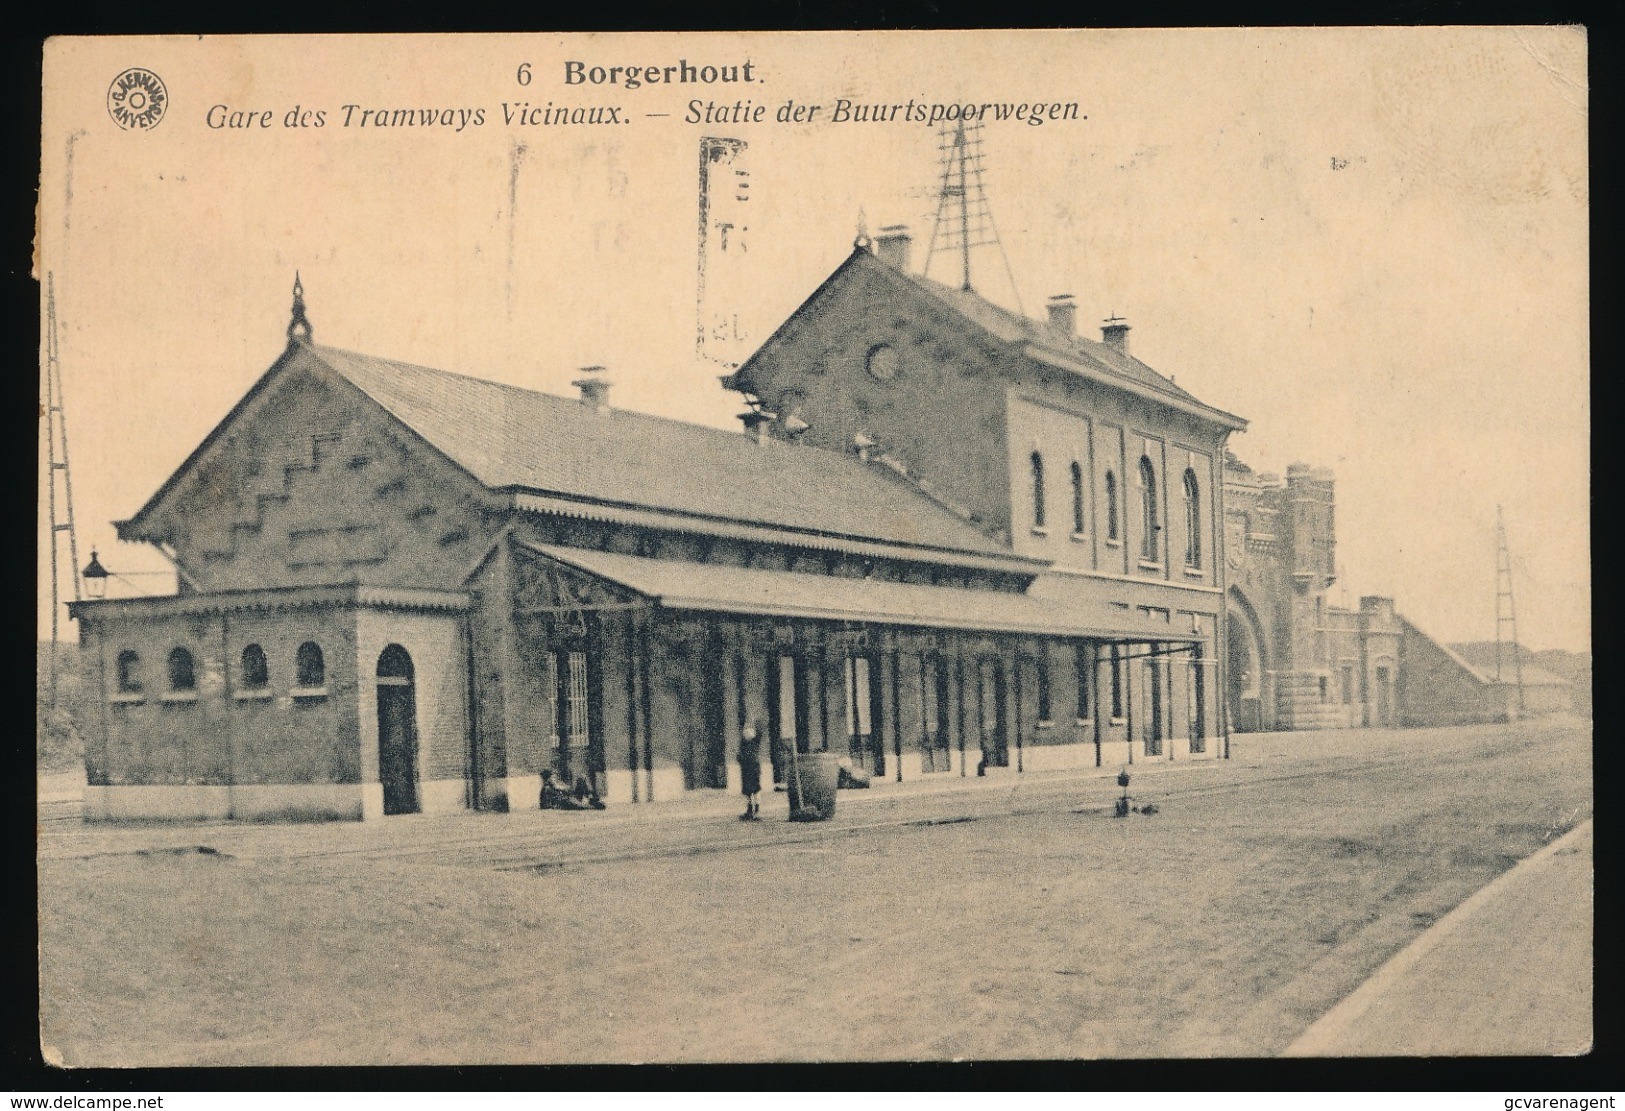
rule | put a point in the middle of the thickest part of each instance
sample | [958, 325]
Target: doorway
[397, 731]
[991, 712]
[787, 716]
[1385, 697]
[862, 676]
[1154, 731]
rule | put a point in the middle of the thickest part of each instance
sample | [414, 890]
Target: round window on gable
[883, 362]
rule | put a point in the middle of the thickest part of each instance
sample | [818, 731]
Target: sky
[1371, 243]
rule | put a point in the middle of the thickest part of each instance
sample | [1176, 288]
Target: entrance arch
[397, 731]
[1244, 671]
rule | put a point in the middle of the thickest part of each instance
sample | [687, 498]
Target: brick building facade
[951, 541]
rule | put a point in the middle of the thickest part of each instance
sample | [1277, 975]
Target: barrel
[818, 775]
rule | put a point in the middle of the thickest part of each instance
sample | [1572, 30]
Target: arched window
[1149, 521]
[182, 673]
[1038, 490]
[1193, 521]
[309, 668]
[1112, 517]
[129, 672]
[1077, 497]
[256, 672]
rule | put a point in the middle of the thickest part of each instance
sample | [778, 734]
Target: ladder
[59, 480]
[1506, 612]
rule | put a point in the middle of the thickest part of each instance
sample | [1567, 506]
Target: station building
[948, 541]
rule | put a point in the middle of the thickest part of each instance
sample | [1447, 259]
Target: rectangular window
[1348, 686]
[578, 699]
[1323, 691]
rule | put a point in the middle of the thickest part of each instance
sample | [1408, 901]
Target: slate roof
[1013, 328]
[1480, 657]
[715, 588]
[1101, 359]
[513, 438]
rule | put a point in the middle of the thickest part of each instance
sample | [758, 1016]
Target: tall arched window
[1077, 497]
[182, 673]
[1149, 521]
[129, 672]
[256, 673]
[1113, 530]
[1193, 521]
[1038, 490]
[310, 669]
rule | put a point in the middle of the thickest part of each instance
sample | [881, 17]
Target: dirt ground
[997, 920]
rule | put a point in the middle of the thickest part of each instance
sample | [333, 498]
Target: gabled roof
[1079, 354]
[1480, 656]
[1484, 673]
[522, 442]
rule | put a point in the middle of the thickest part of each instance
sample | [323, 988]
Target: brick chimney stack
[594, 388]
[758, 425]
[1114, 333]
[1063, 314]
[893, 244]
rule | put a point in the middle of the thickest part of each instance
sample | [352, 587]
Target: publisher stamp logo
[137, 99]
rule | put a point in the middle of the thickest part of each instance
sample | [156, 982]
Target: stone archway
[1244, 664]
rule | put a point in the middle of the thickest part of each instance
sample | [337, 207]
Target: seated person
[587, 796]
[554, 797]
[849, 777]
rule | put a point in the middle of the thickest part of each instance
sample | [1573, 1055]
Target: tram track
[526, 850]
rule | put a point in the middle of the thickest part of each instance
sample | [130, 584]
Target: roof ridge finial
[862, 242]
[299, 330]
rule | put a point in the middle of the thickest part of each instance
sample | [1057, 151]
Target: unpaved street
[992, 919]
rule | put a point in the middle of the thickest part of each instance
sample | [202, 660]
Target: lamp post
[95, 576]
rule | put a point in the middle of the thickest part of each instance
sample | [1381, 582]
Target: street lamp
[95, 576]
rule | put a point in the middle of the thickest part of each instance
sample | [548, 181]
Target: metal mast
[56, 462]
[964, 219]
[1506, 612]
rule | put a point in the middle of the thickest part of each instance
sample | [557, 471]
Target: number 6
[523, 76]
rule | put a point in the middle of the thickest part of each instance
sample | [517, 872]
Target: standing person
[750, 771]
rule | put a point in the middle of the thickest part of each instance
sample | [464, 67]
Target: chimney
[594, 389]
[1114, 333]
[1063, 314]
[893, 245]
[864, 444]
[758, 424]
